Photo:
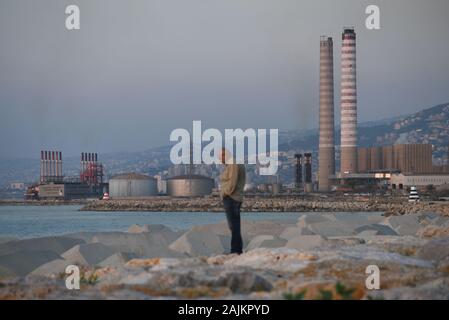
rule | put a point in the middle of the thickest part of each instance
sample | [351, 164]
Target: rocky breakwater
[271, 204]
[321, 256]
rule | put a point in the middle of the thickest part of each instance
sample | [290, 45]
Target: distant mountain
[427, 126]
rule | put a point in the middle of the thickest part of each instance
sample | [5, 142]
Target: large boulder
[265, 241]
[199, 242]
[404, 225]
[117, 260]
[305, 242]
[243, 282]
[331, 229]
[375, 229]
[436, 250]
[433, 231]
[23, 262]
[307, 219]
[53, 244]
[153, 228]
[89, 254]
[291, 232]
[145, 245]
[7, 239]
[53, 267]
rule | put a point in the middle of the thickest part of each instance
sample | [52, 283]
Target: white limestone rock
[266, 241]
[23, 262]
[375, 229]
[198, 241]
[305, 242]
[89, 254]
[403, 225]
[291, 232]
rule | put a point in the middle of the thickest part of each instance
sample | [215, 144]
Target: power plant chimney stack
[348, 103]
[308, 186]
[57, 164]
[298, 173]
[53, 161]
[42, 167]
[82, 162]
[60, 163]
[46, 155]
[326, 157]
[49, 166]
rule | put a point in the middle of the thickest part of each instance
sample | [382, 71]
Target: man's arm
[231, 182]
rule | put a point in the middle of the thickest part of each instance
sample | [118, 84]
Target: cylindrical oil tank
[132, 185]
[189, 186]
[276, 188]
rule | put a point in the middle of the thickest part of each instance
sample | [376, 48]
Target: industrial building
[406, 158]
[326, 158]
[64, 191]
[348, 103]
[361, 181]
[54, 186]
[131, 185]
[401, 181]
[190, 185]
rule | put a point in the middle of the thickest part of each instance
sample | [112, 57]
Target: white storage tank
[189, 186]
[132, 185]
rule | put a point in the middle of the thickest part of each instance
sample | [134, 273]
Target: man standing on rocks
[232, 183]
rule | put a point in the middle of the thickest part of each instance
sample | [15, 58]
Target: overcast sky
[139, 69]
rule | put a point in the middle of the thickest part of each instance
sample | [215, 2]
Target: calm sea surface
[39, 221]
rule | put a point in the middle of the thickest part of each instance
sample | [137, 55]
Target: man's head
[225, 155]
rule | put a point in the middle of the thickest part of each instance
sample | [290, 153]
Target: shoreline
[43, 202]
[270, 204]
[310, 203]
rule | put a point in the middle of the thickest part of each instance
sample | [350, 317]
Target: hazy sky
[138, 69]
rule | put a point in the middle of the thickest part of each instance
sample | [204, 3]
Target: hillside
[427, 126]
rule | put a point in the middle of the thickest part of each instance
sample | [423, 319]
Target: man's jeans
[232, 209]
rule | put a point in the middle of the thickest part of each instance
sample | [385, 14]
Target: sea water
[39, 221]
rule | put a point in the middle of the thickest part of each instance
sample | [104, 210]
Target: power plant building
[132, 185]
[326, 158]
[402, 181]
[348, 103]
[54, 186]
[406, 158]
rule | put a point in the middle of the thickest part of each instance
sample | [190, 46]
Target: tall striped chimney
[348, 103]
[326, 157]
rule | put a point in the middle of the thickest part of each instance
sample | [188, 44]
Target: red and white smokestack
[49, 164]
[82, 162]
[56, 163]
[53, 173]
[348, 159]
